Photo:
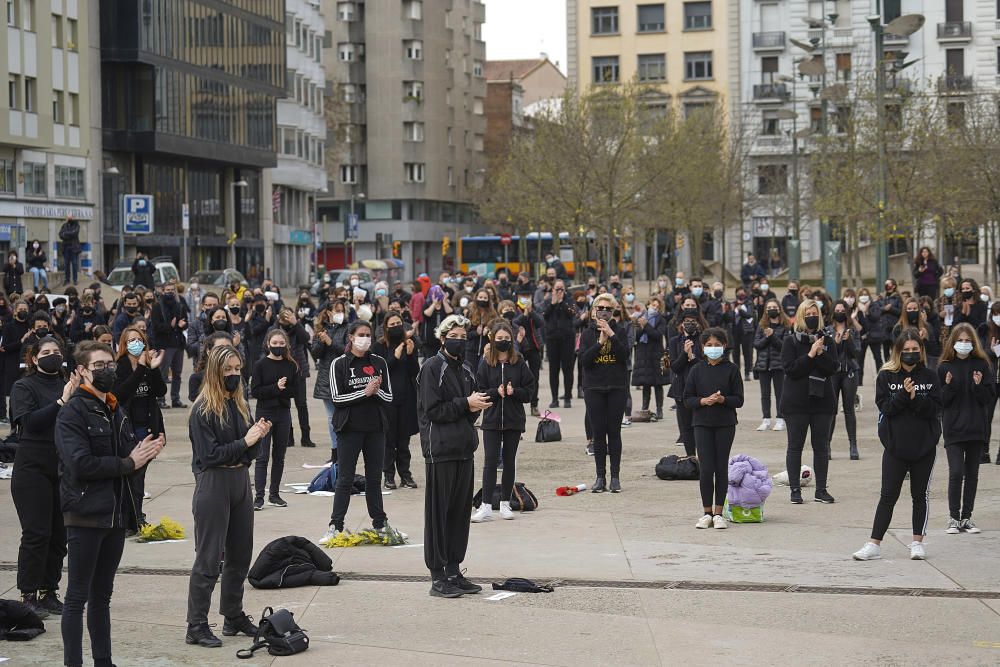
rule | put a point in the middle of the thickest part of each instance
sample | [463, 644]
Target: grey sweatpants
[223, 530]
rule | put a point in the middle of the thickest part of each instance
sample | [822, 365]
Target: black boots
[306, 440]
[854, 452]
[600, 486]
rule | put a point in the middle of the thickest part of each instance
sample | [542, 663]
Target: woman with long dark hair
[481, 315]
[914, 316]
[651, 333]
[198, 372]
[969, 308]
[845, 380]
[399, 350]
[926, 273]
[273, 384]
[770, 336]
[685, 350]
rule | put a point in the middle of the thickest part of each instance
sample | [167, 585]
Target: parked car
[165, 271]
[220, 278]
[343, 277]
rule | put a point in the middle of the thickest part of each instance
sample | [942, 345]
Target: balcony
[954, 31]
[770, 92]
[955, 84]
[769, 41]
[895, 40]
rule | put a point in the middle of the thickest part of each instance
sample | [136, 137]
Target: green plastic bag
[738, 514]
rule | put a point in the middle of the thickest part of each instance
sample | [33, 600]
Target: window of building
[13, 90]
[35, 179]
[346, 11]
[842, 118]
[893, 117]
[347, 53]
[287, 141]
[697, 65]
[57, 106]
[697, 15]
[605, 69]
[816, 119]
[414, 172]
[604, 20]
[28, 15]
[956, 115]
[414, 49]
[477, 106]
[57, 32]
[349, 174]
[7, 177]
[651, 18]
[451, 138]
[413, 131]
[477, 67]
[652, 67]
[70, 182]
[289, 28]
[891, 10]
[772, 179]
[30, 94]
[843, 67]
[413, 9]
[298, 33]
[770, 126]
[12, 13]
[768, 69]
[451, 177]
[413, 90]
[318, 56]
[73, 110]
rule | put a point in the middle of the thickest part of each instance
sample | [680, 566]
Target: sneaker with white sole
[626, 421]
[779, 424]
[704, 522]
[870, 551]
[505, 511]
[764, 425]
[483, 514]
[719, 522]
[329, 536]
[954, 527]
[917, 551]
[968, 527]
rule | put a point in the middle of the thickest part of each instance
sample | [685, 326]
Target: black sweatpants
[963, 477]
[171, 368]
[605, 410]
[845, 388]
[495, 442]
[222, 506]
[743, 345]
[35, 490]
[351, 445]
[302, 404]
[714, 445]
[273, 447]
[447, 504]
[684, 418]
[767, 380]
[818, 427]
[534, 360]
[397, 447]
[655, 390]
[893, 473]
[562, 356]
[94, 554]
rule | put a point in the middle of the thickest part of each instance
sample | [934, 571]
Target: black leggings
[893, 473]
[767, 380]
[273, 447]
[493, 443]
[561, 357]
[655, 390]
[818, 426]
[845, 388]
[302, 404]
[684, 417]
[605, 410]
[744, 345]
[94, 554]
[876, 351]
[963, 466]
[714, 445]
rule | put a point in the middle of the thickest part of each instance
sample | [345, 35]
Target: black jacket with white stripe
[349, 376]
[447, 426]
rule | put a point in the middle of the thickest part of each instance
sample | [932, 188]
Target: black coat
[804, 373]
[143, 275]
[769, 347]
[646, 368]
[402, 413]
[507, 413]
[679, 363]
[166, 335]
[447, 426]
[325, 354]
[12, 279]
[10, 340]
[289, 562]
[69, 234]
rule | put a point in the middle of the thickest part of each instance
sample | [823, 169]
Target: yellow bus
[487, 255]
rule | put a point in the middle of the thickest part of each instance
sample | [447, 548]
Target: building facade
[407, 127]
[511, 87]
[47, 142]
[300, 174]
[189, 116]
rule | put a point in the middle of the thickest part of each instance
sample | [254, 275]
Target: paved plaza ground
[639, 585]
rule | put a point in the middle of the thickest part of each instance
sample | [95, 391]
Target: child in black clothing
[713, 391]
[273, 385]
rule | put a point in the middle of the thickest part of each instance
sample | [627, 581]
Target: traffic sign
[506, 239]
[185, 217]
[352, 226]
[137, 214]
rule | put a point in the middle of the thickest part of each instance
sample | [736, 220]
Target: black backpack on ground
[279, 632]
[521, 499]
[677, 467]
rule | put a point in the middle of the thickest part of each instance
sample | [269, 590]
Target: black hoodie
[909, 429]
[507, 413]
[966, 412]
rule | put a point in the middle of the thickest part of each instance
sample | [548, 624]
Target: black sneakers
[566, 403]
[178, 404]
[50, 602]
[796, 496]
[202, 635]
[822, 496]
[407, 482]
[258, 504]
[389, 483]
[445, 588]
[600, 486]
[242, 623]
[31, 601]
[464, 585]
[274, 500]
[616, 485]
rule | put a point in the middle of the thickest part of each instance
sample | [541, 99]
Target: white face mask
[463, 302]
[864, 298]
[468, 288]
[985, 298]
[338, 318]
[362, 343]
[996, 320]
[354, 282]
[849, 300]
[764, 287]
[963, 348]
[661, 283]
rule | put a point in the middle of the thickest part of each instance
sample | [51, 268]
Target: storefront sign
[18, 209]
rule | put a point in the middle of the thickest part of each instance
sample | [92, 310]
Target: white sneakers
[779, 424]
[483, 514]
[704, 522]
[954, 527]
[626, 421]
[917, 551]
[719, 522]
[329, 536]
[870, 551]
[505, 511]
[764, 425]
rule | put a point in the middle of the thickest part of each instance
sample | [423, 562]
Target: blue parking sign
[137, 214]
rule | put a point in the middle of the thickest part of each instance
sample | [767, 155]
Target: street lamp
[361, 197]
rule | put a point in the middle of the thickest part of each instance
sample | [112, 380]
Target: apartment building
[407, 127]
[512, 87]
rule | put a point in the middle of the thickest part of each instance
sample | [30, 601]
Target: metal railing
[764, 91]
[769, 40]
[952, 83]
[954, 30]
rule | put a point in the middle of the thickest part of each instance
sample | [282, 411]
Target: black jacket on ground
[769, 347]
[507, 413]
[647, 369]
[703, 380]
[909, 429]
[403, 372]
[349, 376]
[447, 426]
[94, 441]
[604, 366]
[966, 406]
[219, 442]
[290, 562]
[560, 319]
[803, 373]
[325, 354]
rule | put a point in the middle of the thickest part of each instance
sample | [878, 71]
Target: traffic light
[397, 249]
[445, 245]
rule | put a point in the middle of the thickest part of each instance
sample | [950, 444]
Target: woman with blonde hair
[808, 358]
[223, 447]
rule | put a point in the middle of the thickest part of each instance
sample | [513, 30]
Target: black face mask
[773, 314]
[395, 333]
[50, 364]
[88, 311]
[967, 295]
[690, 328]
[616, 285]
[840, 317]
[912, 316]
[104, 380]
[510, 315]
[20, 316]
[793, 292]
[483, 304]
[131, 310]
[232, 383]
[41, 333]
[219, 325]
[277, 350]
[718, 294]
[910, 358]
[455, 347]
[812, 322]
[690, 312]
[260, 308]
[235, 310]
[502, 345]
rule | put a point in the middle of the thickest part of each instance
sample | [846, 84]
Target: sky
[517, 29]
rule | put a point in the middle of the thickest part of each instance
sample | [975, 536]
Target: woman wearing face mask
[143, 271]
[968, 393]
[481, 315]
[845, 380]
[198, 372]
[651, 332]
[685, 351]
[306, 309]
[790, 302]
[887, 308]
[84, 321]
[15, 332]
[604, 351]
[809, 359]
[908, 396]
[713, 391]
[582, 302]
[272, 384]
[12, 272]
[37, 399]
[913, 316]
[437, 308]
[37, 260]
[970, 308]
[531, 341]
[399, 350]
[260, 318]
[139, 385]
[329, 342]
[768, 341]
[744, 317]
[866, 318]
[508, 382]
